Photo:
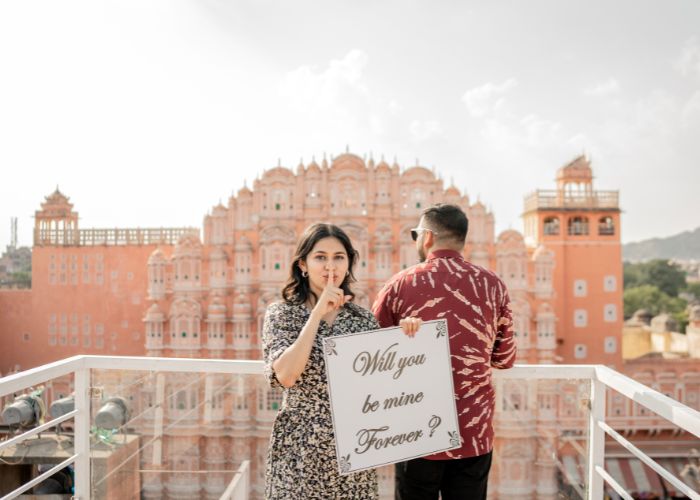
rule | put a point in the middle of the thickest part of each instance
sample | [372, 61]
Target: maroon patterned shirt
[475, 303]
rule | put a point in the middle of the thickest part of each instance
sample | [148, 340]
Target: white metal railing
[601, 378]
[239, 486]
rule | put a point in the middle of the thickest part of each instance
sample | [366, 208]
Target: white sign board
[392, 396]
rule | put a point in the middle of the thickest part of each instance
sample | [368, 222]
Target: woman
[317, 303]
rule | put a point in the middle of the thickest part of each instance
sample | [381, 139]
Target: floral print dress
[302, 461]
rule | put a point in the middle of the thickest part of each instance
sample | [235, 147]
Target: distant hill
[684, 246]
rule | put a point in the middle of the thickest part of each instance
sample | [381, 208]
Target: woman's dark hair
[297, 289]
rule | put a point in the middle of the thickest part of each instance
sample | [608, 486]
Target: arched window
[606, 226]
[578, 226]
[551, 226]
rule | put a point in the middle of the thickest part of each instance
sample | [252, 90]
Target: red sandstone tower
[581, 226]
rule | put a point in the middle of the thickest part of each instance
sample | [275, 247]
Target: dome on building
[578, 170]
[510, 238]
[642, 316]
[156, 256]
[664, 323]
[216, 306]
[244, 192]
[694, 313]
[542, 253]
[154, 313]
[313, 167]
[452, 191]
[418, 172]
[382, 166]
[348, 161]
[279, 172]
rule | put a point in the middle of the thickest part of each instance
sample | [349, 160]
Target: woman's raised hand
[332, 297]
[410, 325]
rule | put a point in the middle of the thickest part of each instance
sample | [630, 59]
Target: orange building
[168, 292]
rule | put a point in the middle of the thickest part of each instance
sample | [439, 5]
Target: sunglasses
[417, 230]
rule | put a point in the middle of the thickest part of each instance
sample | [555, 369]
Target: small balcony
[140, 427]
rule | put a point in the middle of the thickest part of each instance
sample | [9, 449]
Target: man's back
[475, 303]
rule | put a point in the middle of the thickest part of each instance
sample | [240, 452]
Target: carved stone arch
[185, 306]
[382, 233]
[282, 234]
[545, 308]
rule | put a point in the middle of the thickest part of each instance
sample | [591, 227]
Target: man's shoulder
[485, 274]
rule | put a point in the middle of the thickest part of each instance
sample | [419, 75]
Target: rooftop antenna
[13, 232]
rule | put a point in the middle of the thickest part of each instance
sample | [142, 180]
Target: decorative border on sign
[344, 464]
[455, 439]
[329, 347]
[441, 329]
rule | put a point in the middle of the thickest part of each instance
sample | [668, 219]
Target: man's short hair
[448, 221]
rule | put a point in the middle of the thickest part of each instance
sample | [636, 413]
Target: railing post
[596, 438]
[82, 434]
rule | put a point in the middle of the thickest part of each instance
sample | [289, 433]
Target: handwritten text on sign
[392, 396]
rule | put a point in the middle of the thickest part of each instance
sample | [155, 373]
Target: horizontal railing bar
[524, 372]
[184, 471]
[649, 461]
[39, 478]
[670, 409]
[18, 382]
[611, 481]
[37, 430]
[185, 365]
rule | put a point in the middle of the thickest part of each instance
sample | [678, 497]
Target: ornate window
[606, 226]
[551, 226]
[578, 226]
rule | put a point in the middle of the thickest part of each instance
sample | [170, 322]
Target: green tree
[653, 299]
[659, 273]
[694, 289]
[21, 278]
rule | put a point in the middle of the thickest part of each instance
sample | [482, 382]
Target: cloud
[489, 97]
[691, 111]
[688, 63]
[423, 130]
[603, 89]
[337, 89]
[539, 132]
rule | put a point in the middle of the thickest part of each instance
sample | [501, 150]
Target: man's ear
[428, 240]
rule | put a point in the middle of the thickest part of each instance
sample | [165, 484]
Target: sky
[147, 114]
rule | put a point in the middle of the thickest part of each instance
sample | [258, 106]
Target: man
[475, 303]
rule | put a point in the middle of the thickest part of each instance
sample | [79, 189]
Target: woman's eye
[320, 257]
[340, 257]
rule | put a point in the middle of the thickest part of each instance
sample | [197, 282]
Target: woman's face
[328, 254]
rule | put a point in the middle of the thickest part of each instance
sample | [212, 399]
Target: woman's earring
[305, 274]
[347, 273]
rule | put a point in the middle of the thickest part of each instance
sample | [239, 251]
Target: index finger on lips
[331, 278]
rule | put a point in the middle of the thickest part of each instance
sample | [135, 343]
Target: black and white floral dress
[302, 461]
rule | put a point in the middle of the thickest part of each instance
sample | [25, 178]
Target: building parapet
[112, 237]
[556, 199]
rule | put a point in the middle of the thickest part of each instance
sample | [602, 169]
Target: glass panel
[184, 435]
[37, 454]
[541, 445]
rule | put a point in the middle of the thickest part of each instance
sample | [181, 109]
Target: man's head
[441, 227]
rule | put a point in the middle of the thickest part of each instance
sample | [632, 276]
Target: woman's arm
[290, 365]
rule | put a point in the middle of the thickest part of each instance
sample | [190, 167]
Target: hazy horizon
[148, 114]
